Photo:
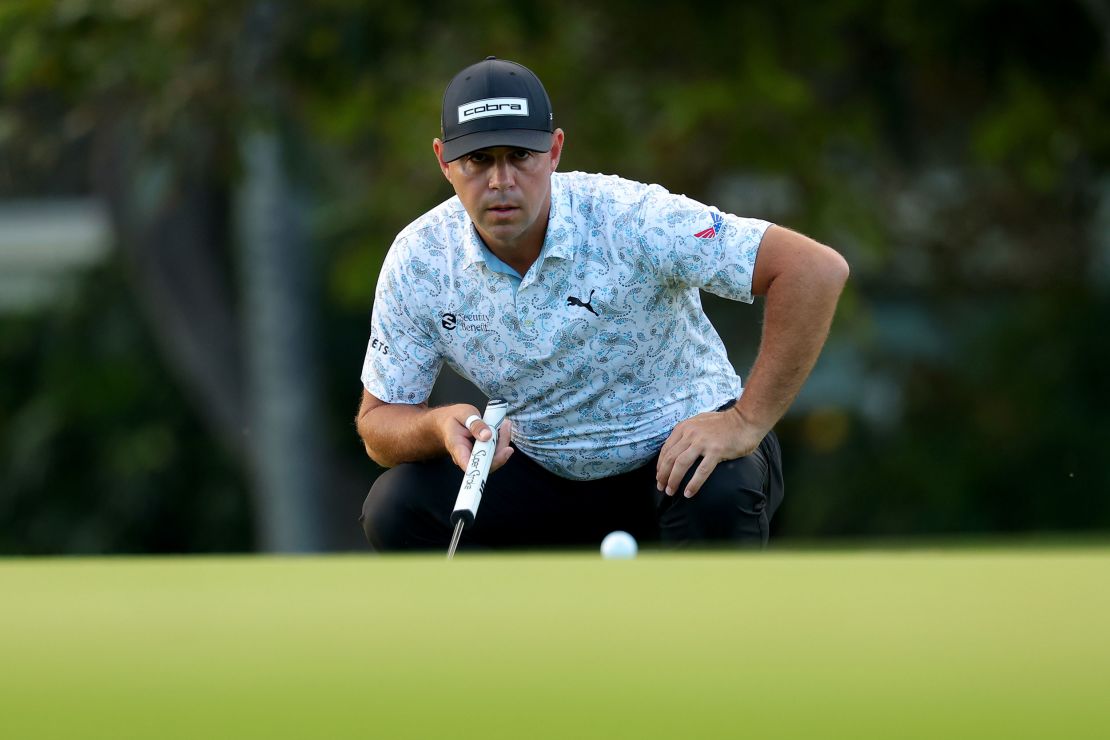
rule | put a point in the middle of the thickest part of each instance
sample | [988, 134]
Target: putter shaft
[455, 539]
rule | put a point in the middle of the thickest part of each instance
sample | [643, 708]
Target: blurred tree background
[193, 390]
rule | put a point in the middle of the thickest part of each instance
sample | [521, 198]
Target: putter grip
[477, 470]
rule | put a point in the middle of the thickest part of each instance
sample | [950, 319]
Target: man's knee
[383, 514]
[403, 508]
[735, 504]
[732, 503]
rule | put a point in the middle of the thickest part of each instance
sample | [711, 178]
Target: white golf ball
[618, 546]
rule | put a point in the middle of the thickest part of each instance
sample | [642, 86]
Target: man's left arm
[802, 281]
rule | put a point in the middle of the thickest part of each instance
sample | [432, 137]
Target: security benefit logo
[466, 322]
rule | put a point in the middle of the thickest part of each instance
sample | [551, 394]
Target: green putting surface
[944, 643]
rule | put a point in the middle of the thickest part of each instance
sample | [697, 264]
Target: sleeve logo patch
[712, 230]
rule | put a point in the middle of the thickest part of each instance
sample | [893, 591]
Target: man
[574, 297]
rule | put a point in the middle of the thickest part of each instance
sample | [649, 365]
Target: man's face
[506, 191]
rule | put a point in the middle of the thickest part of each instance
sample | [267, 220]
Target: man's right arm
[395, 433]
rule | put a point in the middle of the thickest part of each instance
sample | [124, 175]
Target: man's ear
[437, 147]
[556, 148]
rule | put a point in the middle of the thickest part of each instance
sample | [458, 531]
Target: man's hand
[459, 439]
[714, 436]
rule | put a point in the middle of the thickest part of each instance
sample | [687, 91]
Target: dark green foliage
[100, 452]
[955, 153]
[1007, 437]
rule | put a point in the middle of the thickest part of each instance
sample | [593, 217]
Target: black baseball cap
[495, 103]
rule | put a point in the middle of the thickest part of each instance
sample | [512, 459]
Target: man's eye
[522, 154]
[478, 158]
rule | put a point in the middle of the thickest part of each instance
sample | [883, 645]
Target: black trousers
[525, 506]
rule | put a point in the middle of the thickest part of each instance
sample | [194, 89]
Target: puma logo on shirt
[572, 301]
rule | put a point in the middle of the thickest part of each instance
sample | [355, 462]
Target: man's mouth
[502, 208]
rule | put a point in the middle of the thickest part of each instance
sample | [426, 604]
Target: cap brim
[536, 141]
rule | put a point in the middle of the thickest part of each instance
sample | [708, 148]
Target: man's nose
[501, 175]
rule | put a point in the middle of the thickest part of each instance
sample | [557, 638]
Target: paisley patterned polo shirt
[600, 349]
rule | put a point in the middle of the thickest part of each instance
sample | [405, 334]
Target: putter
[477, 470]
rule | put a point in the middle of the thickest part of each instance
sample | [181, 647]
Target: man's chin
[502, 229]
[498, 234]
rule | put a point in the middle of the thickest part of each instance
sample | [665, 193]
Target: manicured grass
[905, 643]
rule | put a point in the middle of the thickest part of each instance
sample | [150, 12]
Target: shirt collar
[560, 238]
[473, 246]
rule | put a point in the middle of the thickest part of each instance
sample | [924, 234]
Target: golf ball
[618, 545]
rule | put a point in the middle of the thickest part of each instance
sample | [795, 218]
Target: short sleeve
[697, 246]
[402, 359]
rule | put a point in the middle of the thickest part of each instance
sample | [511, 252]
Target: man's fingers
[460, 453]
[457, 437]
[671, 465]
[708, 465]
[663, 467]
[500, 459]
[667, 455]
[477, 427]
[504, 435]
[682, 463]
[503, 451]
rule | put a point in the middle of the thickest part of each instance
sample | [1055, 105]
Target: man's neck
[517, 257]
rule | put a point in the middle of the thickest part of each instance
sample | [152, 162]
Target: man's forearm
[396, 433]
[797, 316]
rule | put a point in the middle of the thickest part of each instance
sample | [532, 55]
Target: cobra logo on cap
[493, 107]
